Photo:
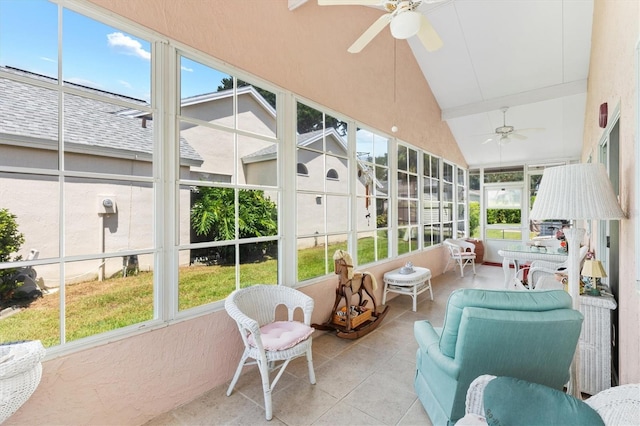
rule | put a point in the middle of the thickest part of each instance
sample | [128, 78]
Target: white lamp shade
[576, 192]
[405, 24]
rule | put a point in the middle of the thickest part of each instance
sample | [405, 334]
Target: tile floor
[368, 381]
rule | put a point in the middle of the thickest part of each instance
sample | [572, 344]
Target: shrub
[10, 242]
[213, 219]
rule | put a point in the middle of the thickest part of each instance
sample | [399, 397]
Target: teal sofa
[529, 335]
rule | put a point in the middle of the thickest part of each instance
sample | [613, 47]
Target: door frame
[608, 242]
[492, 245]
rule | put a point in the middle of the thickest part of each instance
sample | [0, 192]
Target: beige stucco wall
[612, 79]
[130, 381]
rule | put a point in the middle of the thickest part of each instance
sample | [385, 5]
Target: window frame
[165, 178]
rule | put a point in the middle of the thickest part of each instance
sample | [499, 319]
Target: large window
[322, 213]
[112, 191]
[448, 200]
[431, 214]
[407, 206]
[228, 196]
[77, 158]
[141, 183]
[372, 202]
[461, 202]
[474, 204]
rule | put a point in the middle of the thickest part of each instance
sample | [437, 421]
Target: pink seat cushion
[280, 335]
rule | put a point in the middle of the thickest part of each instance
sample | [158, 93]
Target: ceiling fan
[405, 21]
[504, 133]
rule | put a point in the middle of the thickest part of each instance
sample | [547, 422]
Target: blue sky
[93, 54]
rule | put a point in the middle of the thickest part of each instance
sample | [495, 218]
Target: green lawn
[93, 307]
[503, 234]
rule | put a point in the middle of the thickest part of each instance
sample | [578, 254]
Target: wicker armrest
[473, 402]
[20, 373]
[619, 405]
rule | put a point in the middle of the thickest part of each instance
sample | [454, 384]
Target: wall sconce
[318, 199]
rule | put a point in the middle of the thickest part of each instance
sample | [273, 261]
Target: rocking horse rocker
[349, 320]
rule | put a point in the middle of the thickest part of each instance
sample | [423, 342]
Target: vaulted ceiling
[531, 56]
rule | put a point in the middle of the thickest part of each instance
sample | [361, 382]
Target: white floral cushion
[280, 335]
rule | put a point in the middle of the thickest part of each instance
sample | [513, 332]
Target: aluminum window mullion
[165, 99]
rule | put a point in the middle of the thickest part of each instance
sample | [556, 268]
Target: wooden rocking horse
[352, 321]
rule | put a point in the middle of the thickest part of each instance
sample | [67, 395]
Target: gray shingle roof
[303, 139]
[31, 112]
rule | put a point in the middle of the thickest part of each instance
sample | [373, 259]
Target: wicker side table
[595, 343]
[410, 284]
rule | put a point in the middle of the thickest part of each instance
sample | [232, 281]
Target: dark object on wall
[479, 249]
[602, 119]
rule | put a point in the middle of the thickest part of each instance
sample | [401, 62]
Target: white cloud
[183, 68]
[125, 84]
[47, 59]
[127, 45]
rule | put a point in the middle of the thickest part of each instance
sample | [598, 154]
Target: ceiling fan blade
[487, 141]
[350, 2]
[370, 33]
[532, 129]
[428, 35]
[517, 136]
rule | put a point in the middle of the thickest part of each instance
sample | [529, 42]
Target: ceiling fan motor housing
[504, 130]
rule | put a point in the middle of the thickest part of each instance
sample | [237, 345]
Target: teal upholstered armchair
[526, 335]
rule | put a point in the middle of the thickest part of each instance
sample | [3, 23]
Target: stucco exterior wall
[612, 78]
[87, 231]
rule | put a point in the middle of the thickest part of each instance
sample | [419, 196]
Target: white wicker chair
[461, 252]
[253, 308]
[541, 272]
[619, 405]
[20, 373]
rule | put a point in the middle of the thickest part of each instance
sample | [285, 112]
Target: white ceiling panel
[513, 44]
[578, 15]
[529, 55]
[450, 63]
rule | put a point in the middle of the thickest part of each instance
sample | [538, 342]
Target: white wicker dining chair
[461, 252]
[269, 343]
[20, 374]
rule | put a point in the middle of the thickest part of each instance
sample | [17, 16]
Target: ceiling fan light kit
[406, 24]
[402, 17]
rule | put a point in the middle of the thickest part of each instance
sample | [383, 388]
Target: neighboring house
[317, 174]
[102, 137]
[255, 116]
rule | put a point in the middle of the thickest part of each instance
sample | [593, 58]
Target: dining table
[517, 254]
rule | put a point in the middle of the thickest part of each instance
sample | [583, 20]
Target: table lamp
[593, 269]
[575, 192]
